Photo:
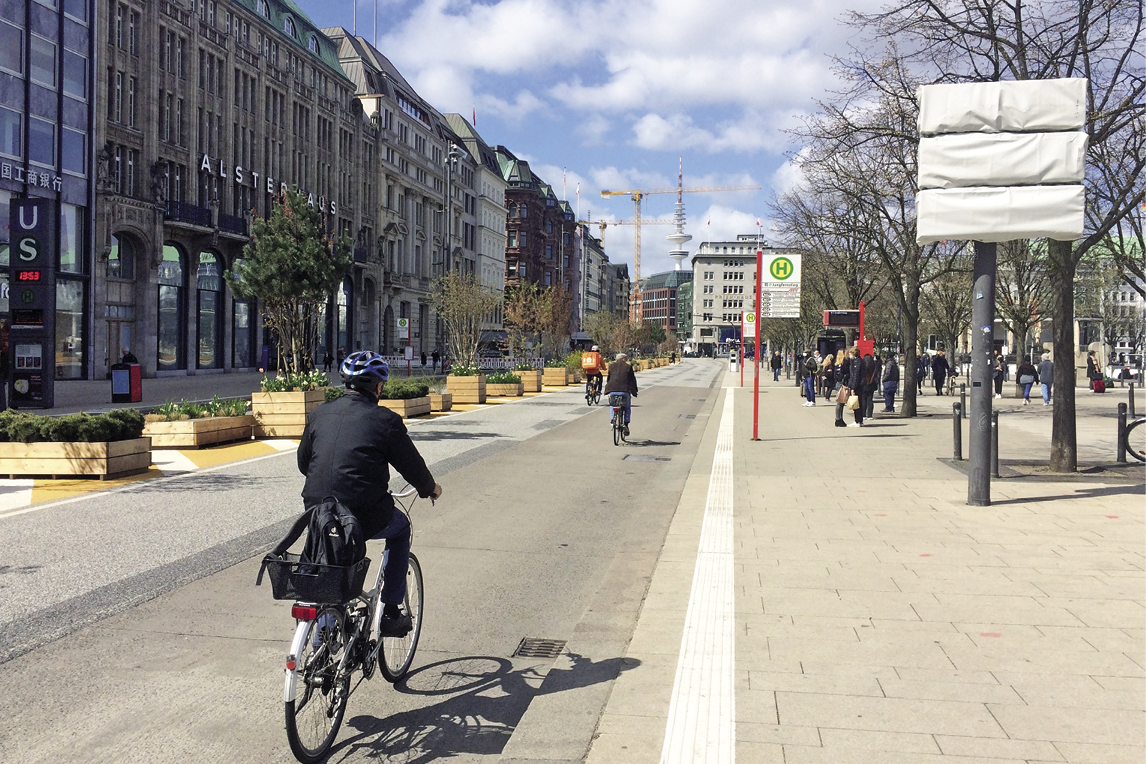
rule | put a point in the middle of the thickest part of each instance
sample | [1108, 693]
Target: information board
[780, 286]
[32, 300]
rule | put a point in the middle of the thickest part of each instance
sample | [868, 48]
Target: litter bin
[126, 383]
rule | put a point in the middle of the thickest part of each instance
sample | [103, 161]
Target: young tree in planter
[292, 266]
[463, 304]
[556, 314]
[523, 310]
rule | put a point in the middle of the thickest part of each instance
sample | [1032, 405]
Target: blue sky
[614, 92]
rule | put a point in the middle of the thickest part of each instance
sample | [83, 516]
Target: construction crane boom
[603, 224]
[637, 194]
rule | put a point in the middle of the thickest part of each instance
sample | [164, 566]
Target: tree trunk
[1064, 440]
[911, 354]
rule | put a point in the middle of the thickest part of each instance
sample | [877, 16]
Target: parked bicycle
[1134, 439]
[337, 633]
[620, 429]
[592, 391]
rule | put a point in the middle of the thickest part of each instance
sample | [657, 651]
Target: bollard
[995, 444]
[1130, 411]
[963, 399]
[1121, 451]
[956, 416]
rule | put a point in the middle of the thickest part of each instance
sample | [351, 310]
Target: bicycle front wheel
[1136, 440]
[397, 653]
[314, 715]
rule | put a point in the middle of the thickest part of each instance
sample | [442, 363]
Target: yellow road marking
[52, 490]
[232, 452]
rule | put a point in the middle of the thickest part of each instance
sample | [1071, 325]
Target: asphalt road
[130, 629]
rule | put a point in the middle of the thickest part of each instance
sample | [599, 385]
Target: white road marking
[15, 494]
[172, 462]
[701, 718]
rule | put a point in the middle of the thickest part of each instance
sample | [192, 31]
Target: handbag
[853, 403]
[843, 395]
[1026, 379]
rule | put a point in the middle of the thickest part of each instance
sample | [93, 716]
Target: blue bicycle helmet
[364, 368]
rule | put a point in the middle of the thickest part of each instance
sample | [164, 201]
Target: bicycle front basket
[295, 580]
[617, 400]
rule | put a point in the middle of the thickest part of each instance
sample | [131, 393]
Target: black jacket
[344, 453]
[622, 378]
[777, 362]
[855, 375]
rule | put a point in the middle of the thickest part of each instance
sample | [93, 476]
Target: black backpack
[333, 535]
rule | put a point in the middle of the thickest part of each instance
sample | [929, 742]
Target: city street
[823, 595]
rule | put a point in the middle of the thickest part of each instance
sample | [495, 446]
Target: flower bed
[107, 445]
[190, 425]
[466, 385]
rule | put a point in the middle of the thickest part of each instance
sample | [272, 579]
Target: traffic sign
[749, 319]
[403, 328]
[780, 286]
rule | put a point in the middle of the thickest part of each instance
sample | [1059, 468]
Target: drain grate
[535, 647]
[686, 416]
[646, 458]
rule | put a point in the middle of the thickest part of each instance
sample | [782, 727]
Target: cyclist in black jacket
[344, 453]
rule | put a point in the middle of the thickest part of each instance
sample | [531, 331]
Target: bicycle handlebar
[403, 494]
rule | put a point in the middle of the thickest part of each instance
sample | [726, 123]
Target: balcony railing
[233, 224]
[189, 213]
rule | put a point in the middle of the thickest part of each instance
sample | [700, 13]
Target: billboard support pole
[982, 342]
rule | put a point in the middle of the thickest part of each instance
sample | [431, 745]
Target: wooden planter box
[441, 401]
[555, 377]
[283, 415]
[467, 389]
[407, 408]
[509, 390]
[196, 433]
[122, 457]
[530, 380]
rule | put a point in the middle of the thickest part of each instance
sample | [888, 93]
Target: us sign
[32, 303]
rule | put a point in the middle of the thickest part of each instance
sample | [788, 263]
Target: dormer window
[263, 10]
[313, 45]
[288, 26]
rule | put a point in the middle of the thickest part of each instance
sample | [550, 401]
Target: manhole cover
[534, 647]
[646, 458]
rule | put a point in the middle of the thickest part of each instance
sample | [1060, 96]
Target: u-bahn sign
[32, 303]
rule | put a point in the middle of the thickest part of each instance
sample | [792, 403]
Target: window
[288, 26]
[69, 329]
[11, 134]
[73, 152]
[43, 61]
[131, 102]
[71, 238]
[41, 142]
[121, 259]
[76, 9]
[208, 284]
[170, 325]
[313, 45]
[75, 75]
[133, 34]
[523, 235]
[11, 48]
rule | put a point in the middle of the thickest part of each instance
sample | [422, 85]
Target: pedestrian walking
[1045, 371]
[890, 384]
[423, 359]
[327, 360]
[811, 367]
[999, 373]
[435, 357]
[1092, 372]
[939, 370]
[777, 364]
[1028, 376]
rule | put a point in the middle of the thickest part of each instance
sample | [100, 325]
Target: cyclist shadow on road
[484, 700]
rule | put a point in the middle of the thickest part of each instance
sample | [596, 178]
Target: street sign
[32, 301]
[780, 286]
[403, 328]
[749, 320]
[842, 318]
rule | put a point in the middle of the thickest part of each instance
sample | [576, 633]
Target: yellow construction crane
[603, 224]
[637, 194]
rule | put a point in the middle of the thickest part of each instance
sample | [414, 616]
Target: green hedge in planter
[120, 424]
[334, 393]
[404, 389]
[503, 378]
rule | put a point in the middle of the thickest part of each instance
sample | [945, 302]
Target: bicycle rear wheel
[397, 653]
[315, 714]
[617, 429]
[1136, 440]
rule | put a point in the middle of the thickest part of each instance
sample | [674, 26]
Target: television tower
[678, 237]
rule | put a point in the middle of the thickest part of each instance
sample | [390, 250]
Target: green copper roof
[278, 12]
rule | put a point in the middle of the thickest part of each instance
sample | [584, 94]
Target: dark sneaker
[626, 430]
[395, 626]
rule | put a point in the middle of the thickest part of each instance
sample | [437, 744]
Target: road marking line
[701, 716]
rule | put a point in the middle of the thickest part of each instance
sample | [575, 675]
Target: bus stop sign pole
[756, 355]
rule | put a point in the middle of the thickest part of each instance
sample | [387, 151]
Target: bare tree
[1022, 290]
[992, 40]
[462, 302]
[947, 303]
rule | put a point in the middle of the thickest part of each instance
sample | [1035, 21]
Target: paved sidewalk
[878, 618]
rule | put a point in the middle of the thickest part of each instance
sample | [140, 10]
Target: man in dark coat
[939, 370]
[622, 380]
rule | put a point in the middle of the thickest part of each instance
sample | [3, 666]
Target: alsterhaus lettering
[206, 165]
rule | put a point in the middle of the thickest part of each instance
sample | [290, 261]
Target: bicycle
[333, 640]
[592, 391]
[1135, 443]
[620, 429]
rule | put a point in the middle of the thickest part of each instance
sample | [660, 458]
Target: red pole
[410, 353]
[741, 350]
[863, 335]
[756, 355]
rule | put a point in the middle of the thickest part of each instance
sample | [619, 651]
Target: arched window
[209, 286]
[172, 283]
[264, 11]
[343, 319]
[313, 45]
[121, 259]
[288, 26]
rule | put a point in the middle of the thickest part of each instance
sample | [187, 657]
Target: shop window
[209, 286]
[69, 329]
[171, 325]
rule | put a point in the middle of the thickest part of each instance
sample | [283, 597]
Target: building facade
[47, 113]
[684, 312]
[619, 288]
[724, 283]
[658, 295]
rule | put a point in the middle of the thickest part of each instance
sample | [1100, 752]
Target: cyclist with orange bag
[591, 364]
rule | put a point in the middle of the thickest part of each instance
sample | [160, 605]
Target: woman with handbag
[1027, 378]
[855, 388]
[843, 373]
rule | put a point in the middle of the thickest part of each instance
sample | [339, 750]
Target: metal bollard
[1131, 409]
[995, 444]
[1121, 458]
[956, 417]
[963, 399]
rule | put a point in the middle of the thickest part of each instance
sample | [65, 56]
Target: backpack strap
[292, 536]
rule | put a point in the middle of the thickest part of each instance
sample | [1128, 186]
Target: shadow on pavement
[435, 435]
[1082, 493]
[210, 481]
[653, 442]
[486, 700]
